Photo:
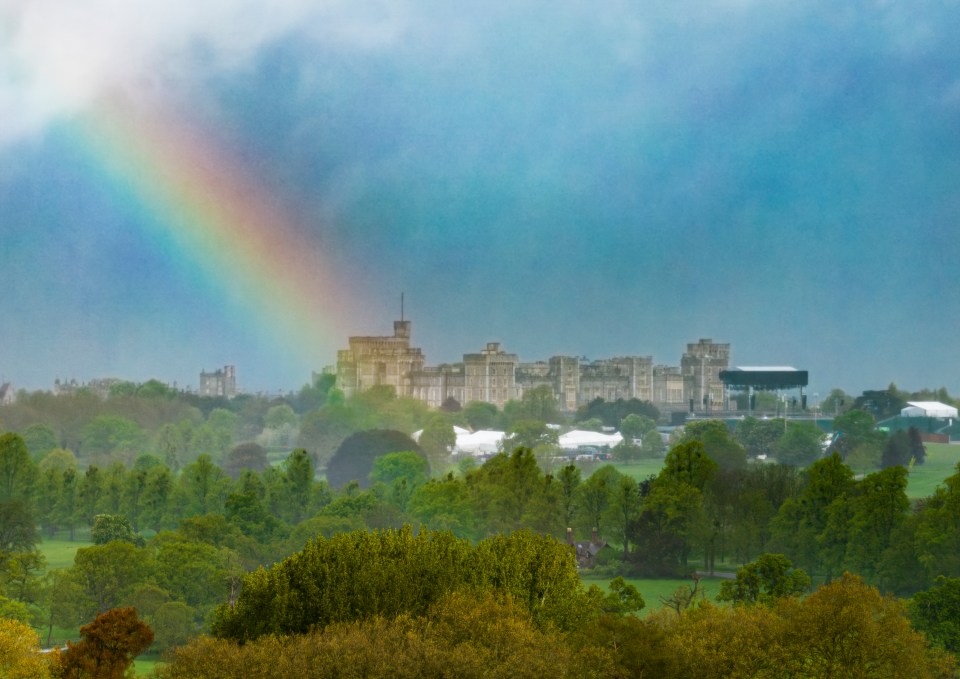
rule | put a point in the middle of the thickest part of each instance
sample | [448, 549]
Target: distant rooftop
[769, 368]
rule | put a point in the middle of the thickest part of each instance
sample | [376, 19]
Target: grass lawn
[654, 588]
[145, 664]
[941, 462]
[640, 469]
[59, 552]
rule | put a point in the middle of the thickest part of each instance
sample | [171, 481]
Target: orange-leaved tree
[108, 646]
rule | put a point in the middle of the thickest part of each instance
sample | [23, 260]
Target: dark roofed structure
[764, 378]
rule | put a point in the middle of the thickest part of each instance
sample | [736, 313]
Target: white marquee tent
[579, 438]
[928, 409]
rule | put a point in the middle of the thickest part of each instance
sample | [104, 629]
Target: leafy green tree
[770, 577]
[359, 575]
[17, 470]
[156, 497]
[529, 434]
[936, 613]
[279, 416]
[847, 629]
[67, 507]
[623, 509]
[245, 456]
[918, 451]
[170, 444]
[20, 576]
[717, 442]
[110, 527]
[506, 490]
[40, 439]
[896, 450]
[836, 402]
[593, 424]
[193, 572]
[538, 404]
[437, 441]
[445, 505]
[298, 480]
[798, 527]
[107, 573]
[671, 520]
[20, 651]
[801, 445]
[245, 508]
[568, 480]
[593, 498]
[109, 434]
[689, 463]
[627, 451]
[612, 413]
[652, 446]
[322, 431]
[89, 493]
[108, 646]
[879, 505]
[203, 487]
[857, 429]
[353, 460]
[18, 531]
[173, 625]
[59, 596]
[635, 426]
[759, 437]
[402, 473]
[480, 415]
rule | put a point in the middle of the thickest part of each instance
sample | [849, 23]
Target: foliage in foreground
[361, 574]
[844, 629]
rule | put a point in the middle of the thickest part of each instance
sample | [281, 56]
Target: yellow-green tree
[20, 651]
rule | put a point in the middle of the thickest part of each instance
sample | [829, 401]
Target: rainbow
[206, 210]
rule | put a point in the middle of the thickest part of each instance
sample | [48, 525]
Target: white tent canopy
[928, 409]
[483, 442]
[578, 437]
[459, 431]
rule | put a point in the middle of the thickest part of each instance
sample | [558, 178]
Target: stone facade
[380, 361]
[495, 376]
[701, 365]
[221, 382]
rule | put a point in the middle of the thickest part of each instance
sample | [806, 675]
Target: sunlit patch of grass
[145, 664]
[654, 590]
[941, 462]
[59, 552]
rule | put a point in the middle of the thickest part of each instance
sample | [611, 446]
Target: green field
[145, 664]
[59, 552]
[655, 589]
[941, 462]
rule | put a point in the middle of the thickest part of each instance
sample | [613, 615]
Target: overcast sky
[581, 178]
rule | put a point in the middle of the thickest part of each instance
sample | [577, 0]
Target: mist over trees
[182, 513]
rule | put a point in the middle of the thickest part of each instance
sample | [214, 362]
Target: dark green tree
[918, 451]
[801, 445]
[17, 470]
[480, 415]
[353, 460]
[936, 613]
[110, 527]
[770, 577]
[245, 456]
[896, 450]
[437, 440]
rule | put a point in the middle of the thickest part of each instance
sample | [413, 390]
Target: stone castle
[494, 376]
